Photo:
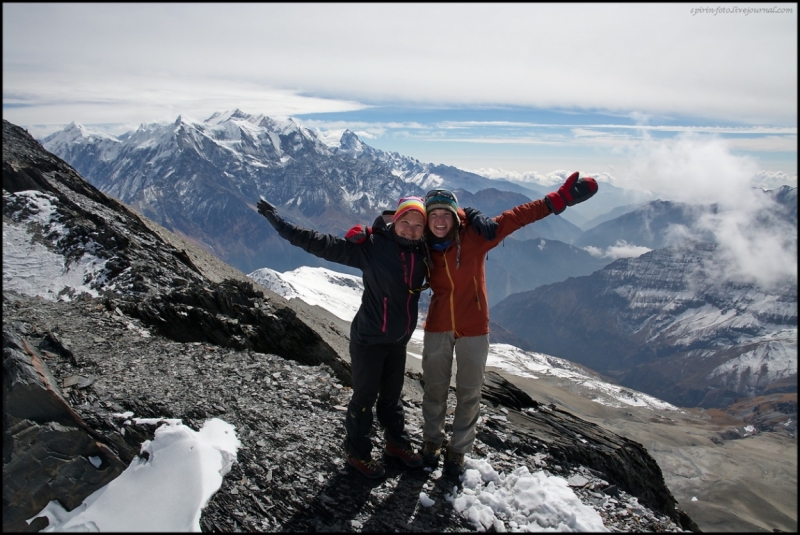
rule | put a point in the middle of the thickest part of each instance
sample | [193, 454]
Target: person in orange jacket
[458, 316]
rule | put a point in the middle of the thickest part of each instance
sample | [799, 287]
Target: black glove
[268, 210]
[573, 191]
[485, 226]
[264, 207]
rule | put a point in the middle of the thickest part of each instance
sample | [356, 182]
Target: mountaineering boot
[453, 463]
[431, 452]
[406, 455]
[368, 468]
[398, 446]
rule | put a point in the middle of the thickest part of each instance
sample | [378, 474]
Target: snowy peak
[350, 144]
[77, 134]
[236, 115]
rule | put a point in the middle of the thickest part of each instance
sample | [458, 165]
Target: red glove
[358, 234]
[575, 190]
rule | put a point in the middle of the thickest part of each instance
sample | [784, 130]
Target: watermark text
[736, 10]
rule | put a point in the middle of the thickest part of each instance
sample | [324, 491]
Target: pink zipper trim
[384, 314]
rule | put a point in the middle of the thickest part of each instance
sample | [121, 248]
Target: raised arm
[325, 246]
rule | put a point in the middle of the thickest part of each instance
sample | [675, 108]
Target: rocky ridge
[290, 474]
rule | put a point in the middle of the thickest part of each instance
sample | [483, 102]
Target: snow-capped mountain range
[249, 151]
[203, 179]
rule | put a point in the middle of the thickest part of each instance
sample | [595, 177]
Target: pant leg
[437, 362]
[389, 409]
[471, 353]
[366, 367]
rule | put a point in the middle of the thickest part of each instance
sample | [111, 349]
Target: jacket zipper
[408, 299]
[477, 295]
[452, 292]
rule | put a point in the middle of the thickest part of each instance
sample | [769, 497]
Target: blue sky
[497, 88]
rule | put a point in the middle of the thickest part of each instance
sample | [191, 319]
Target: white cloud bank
[698, 169]
[649, 58]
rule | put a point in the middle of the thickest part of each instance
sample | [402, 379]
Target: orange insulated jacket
[458, 278]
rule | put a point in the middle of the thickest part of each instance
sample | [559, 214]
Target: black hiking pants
[378, 375]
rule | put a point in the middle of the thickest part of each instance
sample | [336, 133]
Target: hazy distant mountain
[660, 223]
[654, 225]
[665, 323]
[456, 178]
[611, 214]
[608, 197]
[518, 266]
[785, 198]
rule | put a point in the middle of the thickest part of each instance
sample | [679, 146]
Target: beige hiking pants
[437, 363]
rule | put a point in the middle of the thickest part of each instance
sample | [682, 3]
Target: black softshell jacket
[388, 311]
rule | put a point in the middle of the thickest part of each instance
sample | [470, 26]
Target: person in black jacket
[394, 261]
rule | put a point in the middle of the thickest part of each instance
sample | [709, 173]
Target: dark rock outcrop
[49, 452]
[234, 314]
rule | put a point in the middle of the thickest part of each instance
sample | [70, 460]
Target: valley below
[746, 484]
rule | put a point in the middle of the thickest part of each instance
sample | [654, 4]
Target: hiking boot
[407, 456]
[453, 463]
[431, 452]
[369, 468]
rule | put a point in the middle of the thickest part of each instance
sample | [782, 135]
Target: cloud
[651, 59]
[127, 100]
[774, 180]
[621, 249]
[521, 67]
[755, 246]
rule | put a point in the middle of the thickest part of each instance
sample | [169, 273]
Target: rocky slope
[666, 324]
[168, 335]
[290, 474]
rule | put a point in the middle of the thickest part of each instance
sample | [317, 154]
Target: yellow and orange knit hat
[407, 204]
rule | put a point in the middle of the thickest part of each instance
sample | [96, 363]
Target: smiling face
[440, 222]
[410, 226]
